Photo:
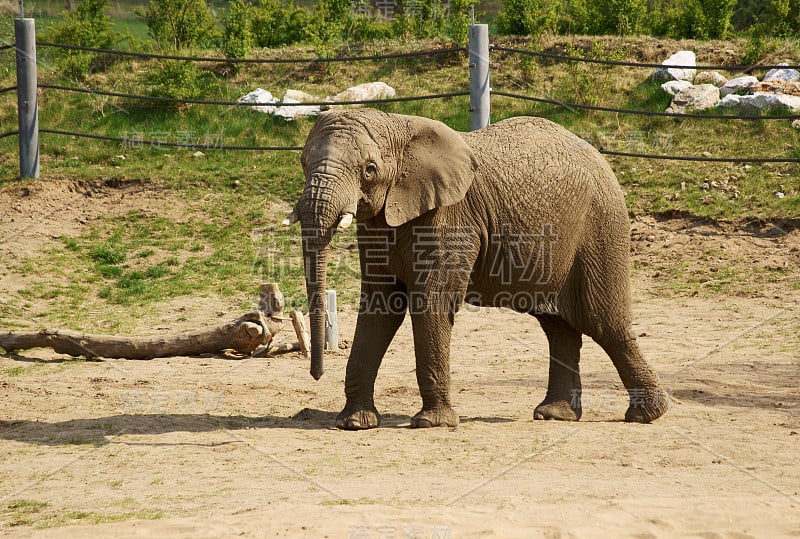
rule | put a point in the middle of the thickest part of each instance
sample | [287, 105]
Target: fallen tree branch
[281, 348]
[243, 335]
[304, 340]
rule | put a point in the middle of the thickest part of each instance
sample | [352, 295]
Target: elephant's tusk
[346, 220]
[290, 219]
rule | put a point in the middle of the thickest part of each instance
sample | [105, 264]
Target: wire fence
[144, 55]
[620, 63]
[706, 116]
[248, 104]
[136, 141]
[413, 54]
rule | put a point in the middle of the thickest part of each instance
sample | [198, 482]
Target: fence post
[479, 89]
[332, 326]
[27, 102]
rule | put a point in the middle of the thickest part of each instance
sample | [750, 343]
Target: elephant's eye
[370, 171]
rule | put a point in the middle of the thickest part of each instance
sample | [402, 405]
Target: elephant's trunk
[316, 256]
[323, 206]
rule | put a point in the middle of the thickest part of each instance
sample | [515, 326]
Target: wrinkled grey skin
[522, 214]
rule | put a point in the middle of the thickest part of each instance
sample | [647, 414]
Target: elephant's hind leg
[648, 401]
[563, 400]
[604, 314]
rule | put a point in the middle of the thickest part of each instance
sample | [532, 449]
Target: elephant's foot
[559, 410]
[437, 417]
[352, 418]
[647, 405]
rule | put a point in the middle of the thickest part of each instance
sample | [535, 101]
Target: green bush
[613, 17]
[528, 17]
[695, 19]
[458, 20]
[590, 84]
[362, 28]
[87, 26]
[180, 24]
[238, 34]
[717, 15]
[176, 79]
[785, 18]
[682, 21]
[276, 24]
[424, 19]
[429, 19]
[329, 19]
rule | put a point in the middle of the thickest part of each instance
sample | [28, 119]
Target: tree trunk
[243, 335]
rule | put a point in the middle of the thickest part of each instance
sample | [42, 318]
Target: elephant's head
[364, 162]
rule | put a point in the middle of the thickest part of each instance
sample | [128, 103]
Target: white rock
[260, 95]
[680, 58]
[738, 85]
[365, 92]
[695, 98]
[299, 96]
[783, 75]
[710, 77]
[759, 101]
[796, 124]
[292, 100]
[291, 107]
[779, 101]
[673, 87]
[730, 101]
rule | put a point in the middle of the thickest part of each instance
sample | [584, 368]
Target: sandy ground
[217, 447]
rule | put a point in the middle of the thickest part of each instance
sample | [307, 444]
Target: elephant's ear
[436, 170]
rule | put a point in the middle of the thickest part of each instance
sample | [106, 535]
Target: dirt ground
[218, 447]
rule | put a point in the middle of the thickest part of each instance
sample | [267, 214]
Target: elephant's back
[535, 177]
[539, 144]
[535, 158]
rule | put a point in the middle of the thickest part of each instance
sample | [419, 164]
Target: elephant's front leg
[432, 331]
[381, 314]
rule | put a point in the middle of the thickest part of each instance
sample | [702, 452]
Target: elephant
[522, 214]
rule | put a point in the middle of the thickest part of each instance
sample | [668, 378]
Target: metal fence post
[479, 89]
[332, 325]
[27, 102]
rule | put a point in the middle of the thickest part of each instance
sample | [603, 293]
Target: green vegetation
[272, 23]
[180, 24]
[238, 39]
[40, 515]
[22, 512]
[219, 236]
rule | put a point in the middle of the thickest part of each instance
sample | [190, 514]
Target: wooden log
[282, 348]
[243, 335]
[303, 337]
[270, 299]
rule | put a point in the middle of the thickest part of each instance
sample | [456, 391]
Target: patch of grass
[225, 244]
[107, 254]
[72, 518]
[138, 260]
[14, 371]
[277, 176]
[21, 512]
